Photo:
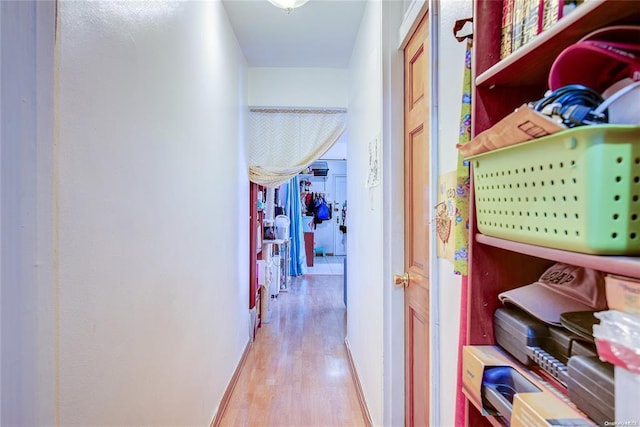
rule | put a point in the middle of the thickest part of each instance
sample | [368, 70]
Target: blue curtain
[292, 207]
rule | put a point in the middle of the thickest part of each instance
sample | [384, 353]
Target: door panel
[418, 247]
[417, 233]
[419, 328]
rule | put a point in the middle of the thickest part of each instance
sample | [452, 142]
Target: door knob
[401, 280]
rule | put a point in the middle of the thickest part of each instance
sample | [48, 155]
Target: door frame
[336, 230]
[394, 197]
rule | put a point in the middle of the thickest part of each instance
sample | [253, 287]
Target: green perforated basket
[576, 190]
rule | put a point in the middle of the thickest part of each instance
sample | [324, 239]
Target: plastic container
[577, 190]
[618, 339]
[282, 227]
[500, 384]
[516, 331]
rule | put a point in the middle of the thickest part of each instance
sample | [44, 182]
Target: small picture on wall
[374, 163]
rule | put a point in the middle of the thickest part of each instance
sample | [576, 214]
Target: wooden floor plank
[297, 371]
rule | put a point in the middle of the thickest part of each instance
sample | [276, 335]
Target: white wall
[339, 149]
[151, 193]
[365, 272]
[297, 87]
[301, 87]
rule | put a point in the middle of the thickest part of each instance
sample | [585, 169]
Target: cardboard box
[623, 294]
[545, 409]
[474, 361]
[528, 403]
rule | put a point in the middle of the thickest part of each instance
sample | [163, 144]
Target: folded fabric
[524, 124]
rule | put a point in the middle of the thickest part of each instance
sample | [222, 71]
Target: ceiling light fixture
[288, 5]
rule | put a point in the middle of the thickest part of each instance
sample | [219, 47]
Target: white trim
[356, 382]
[28, 101]
[434, 280]
[228, 392]
[411, 19]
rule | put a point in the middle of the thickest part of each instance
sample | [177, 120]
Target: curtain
[284, 142]
[292, 206]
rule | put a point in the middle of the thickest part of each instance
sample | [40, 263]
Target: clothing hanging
[321, 209]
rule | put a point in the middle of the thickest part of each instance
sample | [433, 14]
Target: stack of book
[523, 20]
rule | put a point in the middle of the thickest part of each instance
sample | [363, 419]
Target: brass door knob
[401, 280]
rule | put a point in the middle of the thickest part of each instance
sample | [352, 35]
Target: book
[518, 15]
[507, 27]
[551, 12]
[532, 20]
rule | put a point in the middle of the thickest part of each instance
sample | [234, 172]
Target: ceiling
[319, 34]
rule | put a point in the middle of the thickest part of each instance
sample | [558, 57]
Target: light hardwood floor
[327, 265]
[297, 371]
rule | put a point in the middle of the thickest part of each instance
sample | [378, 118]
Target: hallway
[297, 372]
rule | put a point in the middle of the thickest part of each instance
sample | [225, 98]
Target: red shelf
[500, 86]
[533, 60]
[503, 85]
[622, 265]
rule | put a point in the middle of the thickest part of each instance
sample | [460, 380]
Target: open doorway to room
[324, 195]
[313, 205]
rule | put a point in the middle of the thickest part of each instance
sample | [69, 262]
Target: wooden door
[416, 196]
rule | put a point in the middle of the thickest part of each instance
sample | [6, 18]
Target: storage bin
[282, 227]
[576, 190]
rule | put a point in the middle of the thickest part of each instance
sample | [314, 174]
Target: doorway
[328, 240]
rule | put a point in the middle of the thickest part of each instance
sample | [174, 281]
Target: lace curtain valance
[284, 142]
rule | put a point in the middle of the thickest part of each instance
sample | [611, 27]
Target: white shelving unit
[285, 256]
[283, 265]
